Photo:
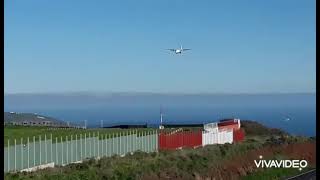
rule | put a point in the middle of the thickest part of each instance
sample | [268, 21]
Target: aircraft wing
[171, 49]
[186, 49]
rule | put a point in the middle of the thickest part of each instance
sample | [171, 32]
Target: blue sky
[119, 46]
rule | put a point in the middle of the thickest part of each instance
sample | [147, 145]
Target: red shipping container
[238, 135]
[180, 140]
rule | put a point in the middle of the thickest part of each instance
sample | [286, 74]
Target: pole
[149, 143]
[112, 144]
[85, 145]
[40, 148]
[21, 144]
[106, 136]
[71, 149]
[120, 143]
[76, 148]
[15, 154]
[156, 143]
[8, 155]
[127, 139]
[67, 158]
[94, 145]
[28, 153]
[142, 142]
[51, 149]
[61, 151]
[34, 151]
[98, 145]
[57, 150]
[90, 146]
[45, 142]
[80, 146]
[136, 140]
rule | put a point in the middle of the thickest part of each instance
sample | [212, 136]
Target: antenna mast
[161, 126]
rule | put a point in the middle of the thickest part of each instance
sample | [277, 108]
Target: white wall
[221, 137]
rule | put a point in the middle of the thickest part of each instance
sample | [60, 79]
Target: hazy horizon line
[151, 93]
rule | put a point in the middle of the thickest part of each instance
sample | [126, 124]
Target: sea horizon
[272, 110]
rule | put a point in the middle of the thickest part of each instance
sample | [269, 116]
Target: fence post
[148, 141]
[90, 146]
[94, 145]
[112, 144]
[76, 148]
[136, 140]
[61, 151]
[21, 144]
[142, 141]
[28, 153]
[8, 155]
[71, 158]
[120, 143]
[51, 148]
[57, 160]
[139, 142]
[127, 138]
[40, 148]
[106, 142]
[45, 142]
[80, 146]
[15, 154]
[67, 158]
[157, 142]
[34, 151]
[85, 144]
[98, 145]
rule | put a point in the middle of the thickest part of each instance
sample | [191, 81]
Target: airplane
[178, 51]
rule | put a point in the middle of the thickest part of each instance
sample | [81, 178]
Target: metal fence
[178, 140]
[220, 137]
[19, 156]
[76, 148]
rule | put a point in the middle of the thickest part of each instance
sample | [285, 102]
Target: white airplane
[178, 51]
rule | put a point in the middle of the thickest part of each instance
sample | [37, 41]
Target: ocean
[294, 113]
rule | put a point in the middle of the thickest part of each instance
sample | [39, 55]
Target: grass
[274, 173]
[180, 163]
[17, 133]
[12, 132]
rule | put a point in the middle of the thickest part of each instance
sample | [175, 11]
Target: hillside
[254, 128]
[11, 117]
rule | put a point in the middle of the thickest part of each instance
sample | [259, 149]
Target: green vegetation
[180, 164]
[255, 128]
[17, 132]
[274, 173]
